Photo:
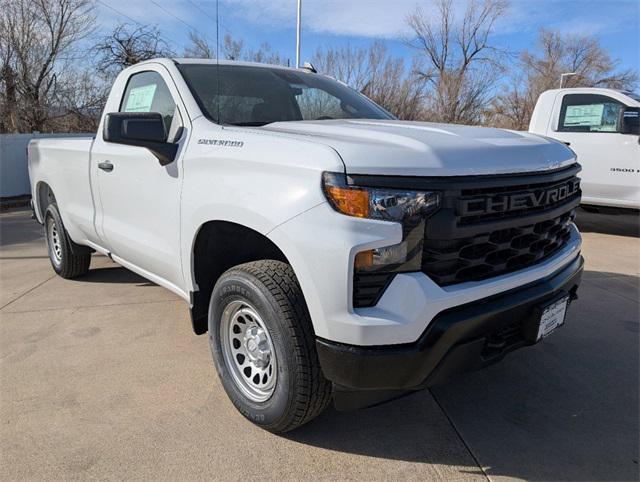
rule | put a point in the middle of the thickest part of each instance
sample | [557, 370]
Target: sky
[359, 22]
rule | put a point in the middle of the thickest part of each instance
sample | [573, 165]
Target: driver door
[140, 199]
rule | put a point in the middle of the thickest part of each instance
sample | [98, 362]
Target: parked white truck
[602, 126]
[329, 250]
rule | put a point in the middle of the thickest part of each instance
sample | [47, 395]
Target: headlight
[376, 203]
[410, 208]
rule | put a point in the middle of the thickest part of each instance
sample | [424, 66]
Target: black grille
[486, 225]
[449, 261]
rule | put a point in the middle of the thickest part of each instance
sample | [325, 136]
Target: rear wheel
[264, 348]
[64, 261]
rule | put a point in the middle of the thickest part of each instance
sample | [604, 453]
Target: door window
[589, 113]
[148, 92]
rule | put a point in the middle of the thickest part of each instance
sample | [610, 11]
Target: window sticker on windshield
[583, 115]
[140, 99]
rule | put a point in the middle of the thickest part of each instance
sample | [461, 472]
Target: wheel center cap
[257, 346]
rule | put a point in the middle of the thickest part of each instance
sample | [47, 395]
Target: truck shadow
[411, 429]
[627, 224]
[114, 274]
[566, 408]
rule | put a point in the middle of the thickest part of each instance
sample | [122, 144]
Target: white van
[602, 126]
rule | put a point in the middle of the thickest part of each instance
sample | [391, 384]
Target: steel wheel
[248, 351]
[54, 241]
[263, 346]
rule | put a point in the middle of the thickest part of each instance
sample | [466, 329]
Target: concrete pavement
[103, 378]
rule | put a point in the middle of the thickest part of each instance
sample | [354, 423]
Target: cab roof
[230, 62]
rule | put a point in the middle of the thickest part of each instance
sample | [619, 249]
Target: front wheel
[263, 346]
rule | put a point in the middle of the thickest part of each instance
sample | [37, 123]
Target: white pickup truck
[329, 250]
[602, 126]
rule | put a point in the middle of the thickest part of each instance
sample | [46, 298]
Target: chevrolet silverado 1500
[329, 250]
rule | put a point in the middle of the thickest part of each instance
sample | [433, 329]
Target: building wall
[14, 175]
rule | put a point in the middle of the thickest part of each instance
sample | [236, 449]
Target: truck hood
[390, 147]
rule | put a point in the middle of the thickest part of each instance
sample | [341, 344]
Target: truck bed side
[63, 165]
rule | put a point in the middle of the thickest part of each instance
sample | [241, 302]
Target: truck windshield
[256, 96]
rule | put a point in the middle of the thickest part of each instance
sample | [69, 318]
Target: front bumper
[463, 338]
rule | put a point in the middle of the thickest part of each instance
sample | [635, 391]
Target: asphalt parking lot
[102, 378]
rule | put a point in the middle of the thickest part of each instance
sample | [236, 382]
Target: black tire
[301, 392]
[64, 261]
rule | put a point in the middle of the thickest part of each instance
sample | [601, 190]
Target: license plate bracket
[547, 318]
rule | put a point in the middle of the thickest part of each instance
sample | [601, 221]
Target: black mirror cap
[134, 126]
[630, 121]
[142, 129]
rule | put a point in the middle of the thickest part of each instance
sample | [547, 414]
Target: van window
[589, 113]
[147, 92]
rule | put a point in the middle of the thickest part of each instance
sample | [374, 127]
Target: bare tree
[581, 54]
[348, 64]
[8, 88]
[456, 57]
[540, 70]
[39, 40]
[232, 48]
[199, 47]
[513, 107]
[127, 45]
[373, 72]
[265, 55]
[80, 101]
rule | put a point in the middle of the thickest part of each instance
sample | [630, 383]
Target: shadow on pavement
[627, 224]
[114, 274]
[410, 429]
[17, 227]
[566, 408]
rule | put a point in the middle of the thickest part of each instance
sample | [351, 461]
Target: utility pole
[298, 34]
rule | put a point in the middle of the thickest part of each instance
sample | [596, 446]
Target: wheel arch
[44, 197]
[218, 246]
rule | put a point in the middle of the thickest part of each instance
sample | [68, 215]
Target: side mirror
[630, 121]
[142, 129]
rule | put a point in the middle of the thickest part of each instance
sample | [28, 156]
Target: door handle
[106, 166]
